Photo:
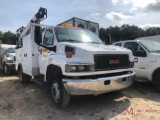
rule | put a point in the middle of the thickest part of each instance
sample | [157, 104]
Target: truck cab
[7, 58]
[146, 59]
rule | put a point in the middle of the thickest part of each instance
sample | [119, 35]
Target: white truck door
[48, 40]
[140, 58]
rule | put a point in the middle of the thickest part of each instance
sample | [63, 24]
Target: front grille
[111, 62]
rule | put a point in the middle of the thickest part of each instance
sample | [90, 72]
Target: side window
[137, 50]
[118, 44]
[48, 38]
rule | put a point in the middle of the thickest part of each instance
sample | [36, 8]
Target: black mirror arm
[49, 48]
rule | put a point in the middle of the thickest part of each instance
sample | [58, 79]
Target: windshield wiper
[70, 40]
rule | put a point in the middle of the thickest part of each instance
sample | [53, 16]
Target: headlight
[72, 68]
[79, 67]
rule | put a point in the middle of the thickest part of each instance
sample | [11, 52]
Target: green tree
[1, 35]
[8, 37]
[127, 32]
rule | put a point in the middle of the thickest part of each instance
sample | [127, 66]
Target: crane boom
[39, 16]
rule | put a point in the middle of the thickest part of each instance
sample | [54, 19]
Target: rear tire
[60, 96]
[23, 77]
[157, 81]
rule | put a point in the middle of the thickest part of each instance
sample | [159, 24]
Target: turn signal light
[69, 54]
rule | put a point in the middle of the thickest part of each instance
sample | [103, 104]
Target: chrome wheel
[55, 92]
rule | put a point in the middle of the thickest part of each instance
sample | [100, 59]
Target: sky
[142, 13]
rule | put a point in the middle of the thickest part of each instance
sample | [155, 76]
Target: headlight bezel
[79, 67]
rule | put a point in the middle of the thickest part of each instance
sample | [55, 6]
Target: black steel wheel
[60, 96]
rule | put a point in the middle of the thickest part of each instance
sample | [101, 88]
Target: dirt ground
[141, 101]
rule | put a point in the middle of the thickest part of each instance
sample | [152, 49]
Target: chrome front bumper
[99, 85]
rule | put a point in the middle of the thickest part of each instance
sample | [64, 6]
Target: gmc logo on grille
[113, 62]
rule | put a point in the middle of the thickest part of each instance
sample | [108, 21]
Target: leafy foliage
[8, 38]
[127, 32]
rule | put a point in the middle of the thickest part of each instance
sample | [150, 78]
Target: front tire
[157, 81]
[60, 96]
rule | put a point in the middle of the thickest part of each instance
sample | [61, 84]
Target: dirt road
[29, 102]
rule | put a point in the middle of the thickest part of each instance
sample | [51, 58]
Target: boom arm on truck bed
[39, 16]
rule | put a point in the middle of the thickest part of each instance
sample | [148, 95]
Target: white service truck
[70, 61]
[147, 59]
[7, 58]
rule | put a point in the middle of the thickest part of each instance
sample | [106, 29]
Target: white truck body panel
[29, 56]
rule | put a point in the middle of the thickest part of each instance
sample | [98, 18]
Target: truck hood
[95, 47]
[88, 50]
[155, 56]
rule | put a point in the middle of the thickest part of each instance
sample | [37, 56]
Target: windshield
[151, 46]
[76, 35]
[11, 50]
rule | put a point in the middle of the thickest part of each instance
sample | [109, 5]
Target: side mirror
[108, 40]
[140, 54]
[38, 35]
